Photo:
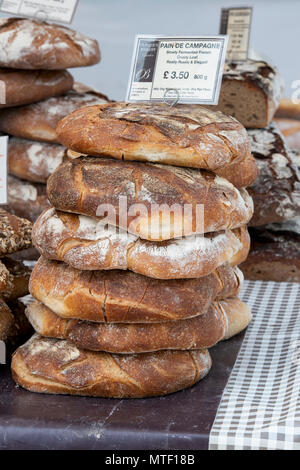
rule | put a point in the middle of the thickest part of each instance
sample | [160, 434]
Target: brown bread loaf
[82, 185]
[30, 44]
[28, 86]
[127, 297]
[19, 278]
[5, 280]
[188, 135]
[15, 233]
[83, 243]
[223, 319]
[57, 366]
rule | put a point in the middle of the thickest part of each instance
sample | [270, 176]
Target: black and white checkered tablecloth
[260, 407]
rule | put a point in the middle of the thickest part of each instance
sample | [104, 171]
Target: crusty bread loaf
[26, 199]
[15, 233]
[38, 121]
[155, 197]
[19, 278]
[203, 331]
[6, 321]
[276, 192]
[84, 243]
[33, 161]
[274, 255]
[250, 92]
[30, 44]
[127, 297]
[28, 86]
[188, 135]
[5, 281]
[13, 322]
[57, 366]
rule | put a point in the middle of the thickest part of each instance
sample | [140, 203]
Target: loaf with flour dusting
[84, 243]
[188, 135]
[26, 199]
[38, 121]
[221, 320]
[276, 192]
[28, 86]
[33, 161]
[30, 44]
[126, 297]
[47, 365]
[151, 192]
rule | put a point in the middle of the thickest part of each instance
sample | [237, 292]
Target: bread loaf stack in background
[128, 301]
[251, 92]
[38, 92]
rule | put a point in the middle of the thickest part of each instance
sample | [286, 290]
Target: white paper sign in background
[3, 169]
[52, 10]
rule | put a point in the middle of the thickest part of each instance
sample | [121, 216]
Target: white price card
[236, 23]
[48, 10]
[190, 66]
[3, 169]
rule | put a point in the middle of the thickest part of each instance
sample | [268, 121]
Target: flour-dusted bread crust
[83, 243]
[38, 121]
[33, 161]
[29, 44]
[127, 297]
[57, 366]
[187, 135]
[86, 184]
[250, 92]
[18, 279]
[28, 86]
[26, 199]
[203, 331]
[274, 255]
[15, 233]
[276, 192]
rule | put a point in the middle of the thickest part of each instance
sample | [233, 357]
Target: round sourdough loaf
[188, 135]
[33, 161]
[57, 366]
[30, 44]
[15, 233]
[26, 199]
[156, 197]
[27, 86]
[84, 243]
[223, 319]
[38, 121]
[127, 297]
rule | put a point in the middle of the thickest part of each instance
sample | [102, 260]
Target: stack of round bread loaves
[138, 272]
[36, 92]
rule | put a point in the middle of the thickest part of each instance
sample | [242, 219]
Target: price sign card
[52, 10]
[3, 169]
[236, 23]
[191, 66]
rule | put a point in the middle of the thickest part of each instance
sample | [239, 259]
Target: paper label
[191, 67]
[45, 10]
[3, 169]
[236, 23]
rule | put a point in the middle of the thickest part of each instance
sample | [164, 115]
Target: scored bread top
[15, 233]
[188, 135]
[85, 185]
[30, 44]
[126, 297]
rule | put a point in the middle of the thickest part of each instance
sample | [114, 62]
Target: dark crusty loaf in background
[26, 199]
[29, 44]
[250, 92]
[276, 192]
[275, 253]
[83, 184]
[18, 279]
[188, 135]
[38, 121]
[57, 366]
[28, 86]
[15, 233]
[84, 243]
[203, 331]
[33, 161]
[13, 322]
[127, 297]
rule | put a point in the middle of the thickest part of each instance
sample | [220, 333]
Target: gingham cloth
[260, 407]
